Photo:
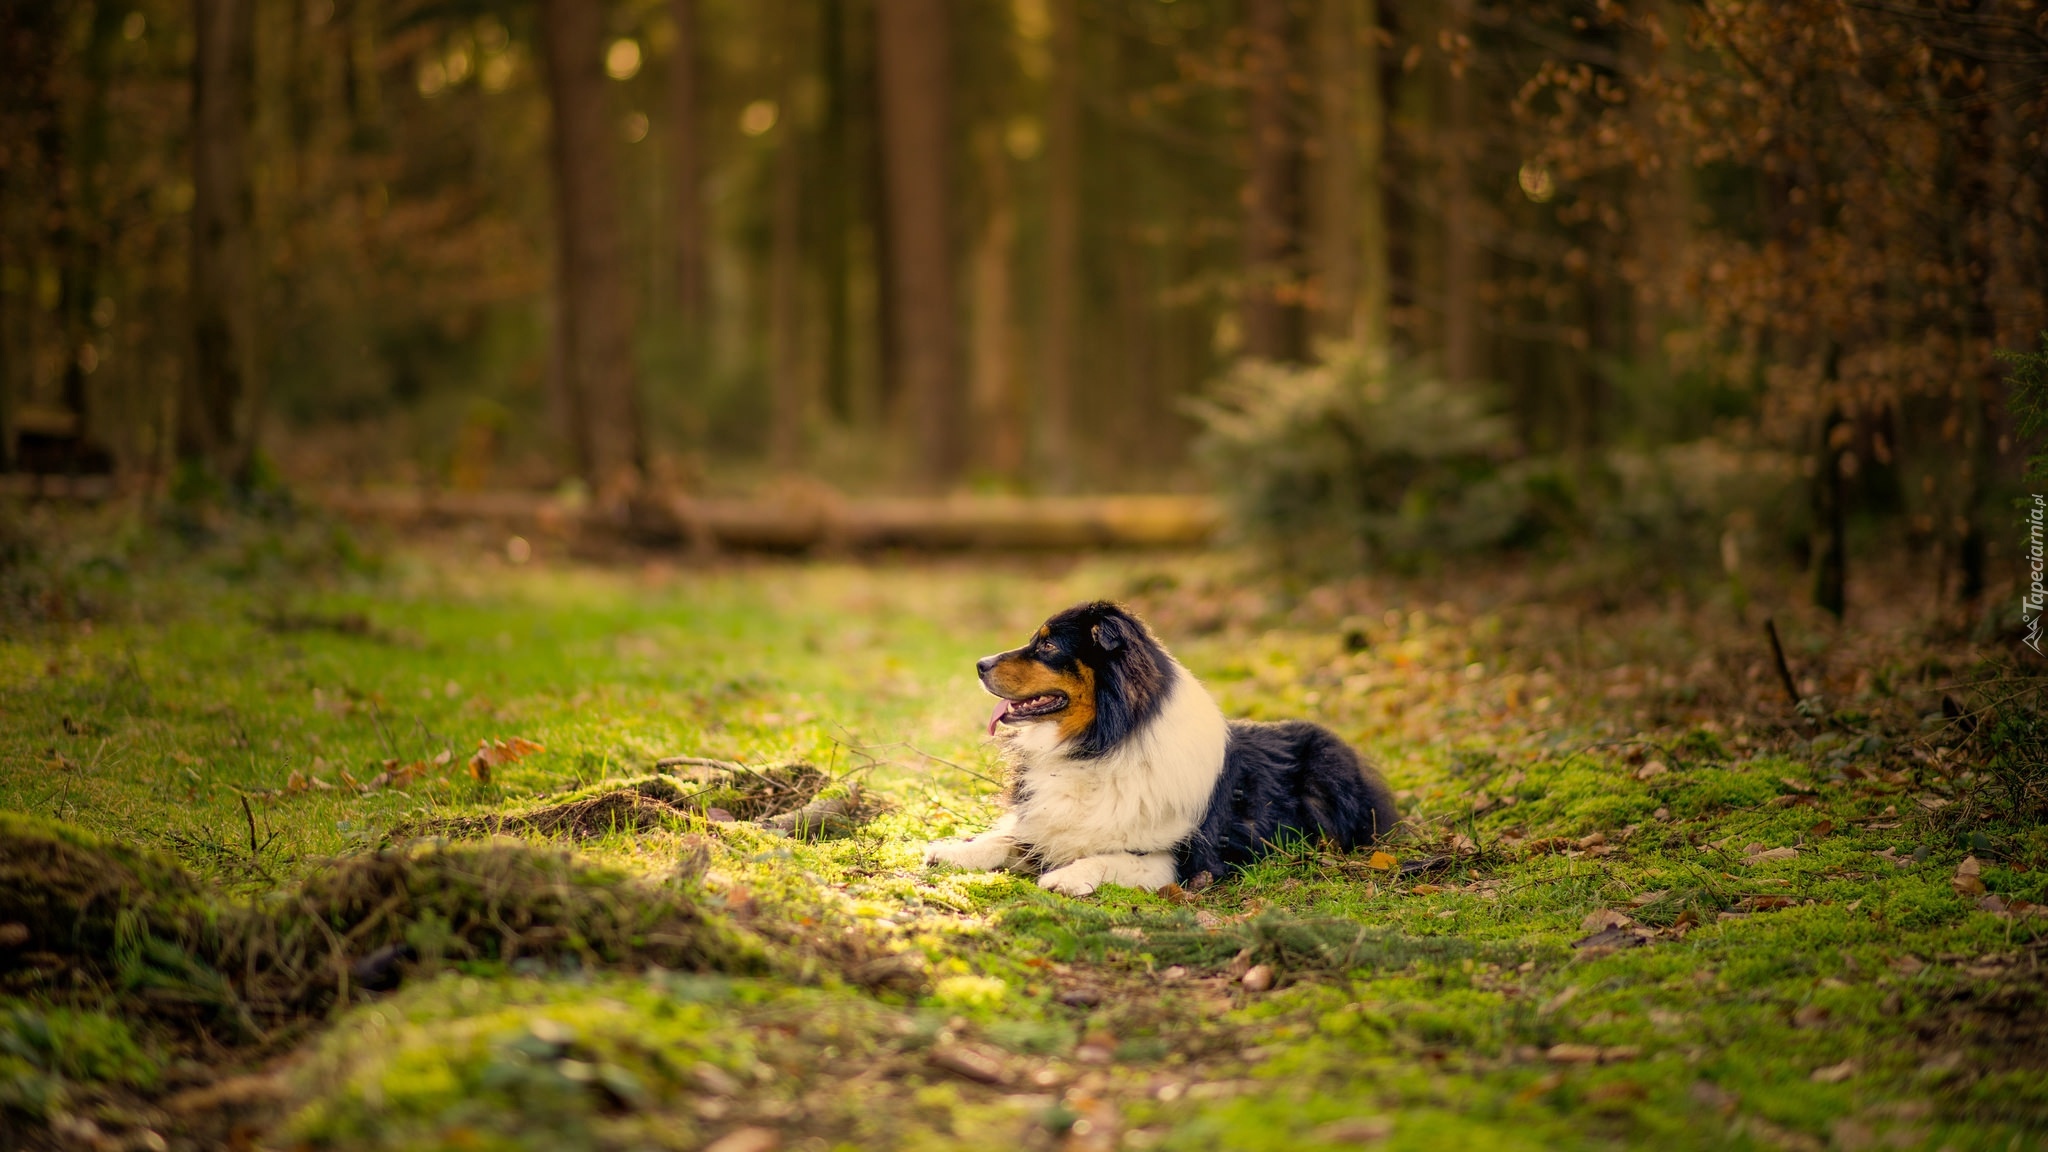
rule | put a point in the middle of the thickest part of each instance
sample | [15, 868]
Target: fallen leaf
[1593, 841]
[1601, 918]
[1541, 1086]
[1354, 1130]
[1821, 829]
[1770, 854]
[1645, 899]
[1427, 889]
[971, 1063]
[1619, 1053]
[1795, 785]
[497, 753]
[1835, 1073]
[1931, 803]
[1383, 861]
[1991, 904]
[1810, 1016]
[746, 1140]
[1572, 1054]
[1651, 770]
[1558, 1001]
[1967, 881]
[1609, 940]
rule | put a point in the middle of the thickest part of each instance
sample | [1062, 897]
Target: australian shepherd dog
[1124, 771]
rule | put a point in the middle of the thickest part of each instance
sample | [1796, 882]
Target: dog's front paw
[979, 853]
[1077, 879]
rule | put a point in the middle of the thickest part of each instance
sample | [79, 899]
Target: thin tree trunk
[789, 387]
[1831, 536]
[994, 340]
[594, 327]
[1375, 277]
[835, 216]
[83, 222]
[1461, 248]
[1270, 309]
[365, 101]
[221, 390]
[1338, 194]
[1062, 247]
[686, 166]
[916, 88]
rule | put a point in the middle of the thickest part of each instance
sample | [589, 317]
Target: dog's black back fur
[1282, 781]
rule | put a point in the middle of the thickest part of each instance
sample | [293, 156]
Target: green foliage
[45, 1050]
[2027, 399]
[1361, 459]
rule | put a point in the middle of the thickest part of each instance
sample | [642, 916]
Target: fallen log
[989, 523]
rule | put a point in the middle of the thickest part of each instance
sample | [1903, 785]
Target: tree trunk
[82, 227]
[1830, 519]
[1271, 313]
[1461, 245]
[1062, 247]
[215, 419]
[686, 165]
[916, 89]
[994, 322]
[835, 216]
[790, 390]
[594, 330]
[1338, 194]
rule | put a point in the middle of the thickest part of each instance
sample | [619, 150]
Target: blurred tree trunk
[994, 340]
[1271, 313]
[215, 420]
[82, 224]
[1369, 322]
[365, 101]
[1338, 194]
[1461, 244]
[1062, 246]
[594, 328]
[914, 56]
[834, 192]
[1830, 518]
[686, 166]
[790, 391]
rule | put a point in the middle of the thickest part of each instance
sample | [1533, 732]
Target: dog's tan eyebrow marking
[1041, 634]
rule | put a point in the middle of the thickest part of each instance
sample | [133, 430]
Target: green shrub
[1361, 460]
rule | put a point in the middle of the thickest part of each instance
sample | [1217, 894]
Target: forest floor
[251, 898]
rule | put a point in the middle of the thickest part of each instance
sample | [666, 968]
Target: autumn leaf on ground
[1966, 881]
[496, 753]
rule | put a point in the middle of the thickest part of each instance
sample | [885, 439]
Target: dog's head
[1093, 672]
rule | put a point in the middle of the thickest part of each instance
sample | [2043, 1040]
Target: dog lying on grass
[1124, 771]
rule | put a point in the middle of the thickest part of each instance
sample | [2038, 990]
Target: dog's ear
[1112, 633]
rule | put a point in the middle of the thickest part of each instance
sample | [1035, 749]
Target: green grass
[144, 699]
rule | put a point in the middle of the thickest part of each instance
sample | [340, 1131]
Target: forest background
[1454, 273]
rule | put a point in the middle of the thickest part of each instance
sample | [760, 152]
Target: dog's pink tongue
[1002, 710]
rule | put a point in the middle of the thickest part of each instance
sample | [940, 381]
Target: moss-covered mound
[68, 898]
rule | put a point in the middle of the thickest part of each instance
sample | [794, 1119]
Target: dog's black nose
[982, 666]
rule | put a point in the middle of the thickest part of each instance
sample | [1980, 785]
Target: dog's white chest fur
[1113, 819]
